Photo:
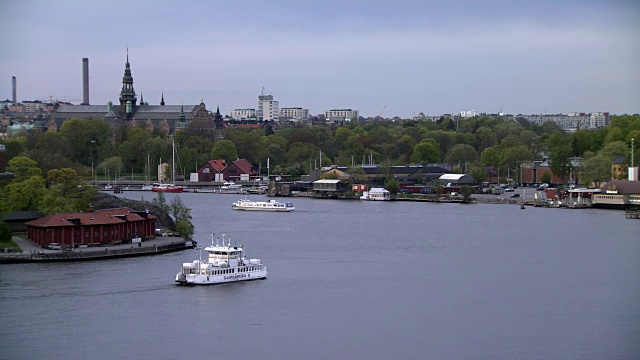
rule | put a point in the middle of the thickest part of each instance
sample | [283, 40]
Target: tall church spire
[127, 94]
[162, 100]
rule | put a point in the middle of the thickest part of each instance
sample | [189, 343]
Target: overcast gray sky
[434, 57]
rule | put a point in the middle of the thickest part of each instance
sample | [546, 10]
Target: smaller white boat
[224, 263]
[230, 185]
[271, 205]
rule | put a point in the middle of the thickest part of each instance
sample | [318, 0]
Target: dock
[634, 214]
[32, 253]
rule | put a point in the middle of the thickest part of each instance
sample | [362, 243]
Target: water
[349, 280]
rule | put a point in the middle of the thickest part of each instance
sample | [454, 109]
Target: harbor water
[349, 280]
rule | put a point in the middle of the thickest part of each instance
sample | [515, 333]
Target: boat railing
[223, 271]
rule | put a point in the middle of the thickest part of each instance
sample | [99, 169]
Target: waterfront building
[99, 227]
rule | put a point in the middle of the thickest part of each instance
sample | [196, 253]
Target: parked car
[405, 191]
[516, 195]
[509, 189]
[54, 246]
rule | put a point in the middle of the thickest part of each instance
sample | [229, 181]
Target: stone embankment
[32, 253]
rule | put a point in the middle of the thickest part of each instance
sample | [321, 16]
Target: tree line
[480, 146]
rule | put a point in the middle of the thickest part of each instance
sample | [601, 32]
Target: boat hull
[248, 208]
[207, 279]
[168, 190]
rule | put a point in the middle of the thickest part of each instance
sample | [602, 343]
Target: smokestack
[13, 89]
[85, 81]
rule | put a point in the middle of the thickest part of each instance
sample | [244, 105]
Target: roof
[217, 165]
[327, 181]
[378, 190]
[244, 165]
[98, 217]
[623, 186]
[22, 215]
[454, 177]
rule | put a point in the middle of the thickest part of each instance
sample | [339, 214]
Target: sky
[381, 57]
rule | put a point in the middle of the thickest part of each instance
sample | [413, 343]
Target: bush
[5, 232]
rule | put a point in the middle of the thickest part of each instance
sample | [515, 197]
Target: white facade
[294, 113]
[467, 113]
[566, 122]
[242, 114]
[335, 115]
[598, 120]
[268, 109]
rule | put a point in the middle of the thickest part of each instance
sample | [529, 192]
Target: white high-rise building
[268, 109]
[294, 114]
[242, 114]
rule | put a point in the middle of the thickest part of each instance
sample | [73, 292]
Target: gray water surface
[349, 280]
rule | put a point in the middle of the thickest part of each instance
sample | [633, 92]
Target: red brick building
[100, 227]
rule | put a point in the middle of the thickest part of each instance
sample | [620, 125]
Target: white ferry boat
[224, 263]
[271, 205]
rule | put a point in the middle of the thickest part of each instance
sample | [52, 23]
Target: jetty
[634, 214]
[32, 253]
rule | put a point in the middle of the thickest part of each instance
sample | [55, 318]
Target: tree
[546, 178]
[392, 185]
[83, 135]
[112, 165]
[461, 154]
[24, 168]
[66, 192]
[357, 174]
[426, 152]
[224, 149]
[51, 151]
[5, 232]
[182, 216]
[26, 194]
[560, 152]
[466, 191]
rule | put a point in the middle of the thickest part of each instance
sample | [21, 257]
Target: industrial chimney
[85, 81]
[13, 89]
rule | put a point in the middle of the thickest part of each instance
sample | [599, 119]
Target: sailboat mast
[173, 163]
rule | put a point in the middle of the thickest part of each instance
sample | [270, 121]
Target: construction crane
[382, 112]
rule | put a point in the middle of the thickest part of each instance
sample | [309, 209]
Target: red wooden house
[110, 226]
[229, 172]
[208, 171]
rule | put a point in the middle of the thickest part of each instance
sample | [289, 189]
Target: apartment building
[268, 109]
[295, 113]
[340, 115]
[242, 114]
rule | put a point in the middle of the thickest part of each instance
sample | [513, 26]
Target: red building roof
[98, 217]
[217, 165]
[245, 166]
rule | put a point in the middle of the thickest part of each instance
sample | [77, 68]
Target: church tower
[127, 95]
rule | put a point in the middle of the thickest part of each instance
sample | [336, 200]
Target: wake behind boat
[271, 205]
[224, 263]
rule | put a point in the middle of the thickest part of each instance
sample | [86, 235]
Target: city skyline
[412, 57]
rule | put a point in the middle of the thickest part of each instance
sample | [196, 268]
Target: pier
[32, 253]
[635, 214]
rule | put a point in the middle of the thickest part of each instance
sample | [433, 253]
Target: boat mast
[173, 162]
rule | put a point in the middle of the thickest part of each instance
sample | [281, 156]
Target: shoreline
[32, 253]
